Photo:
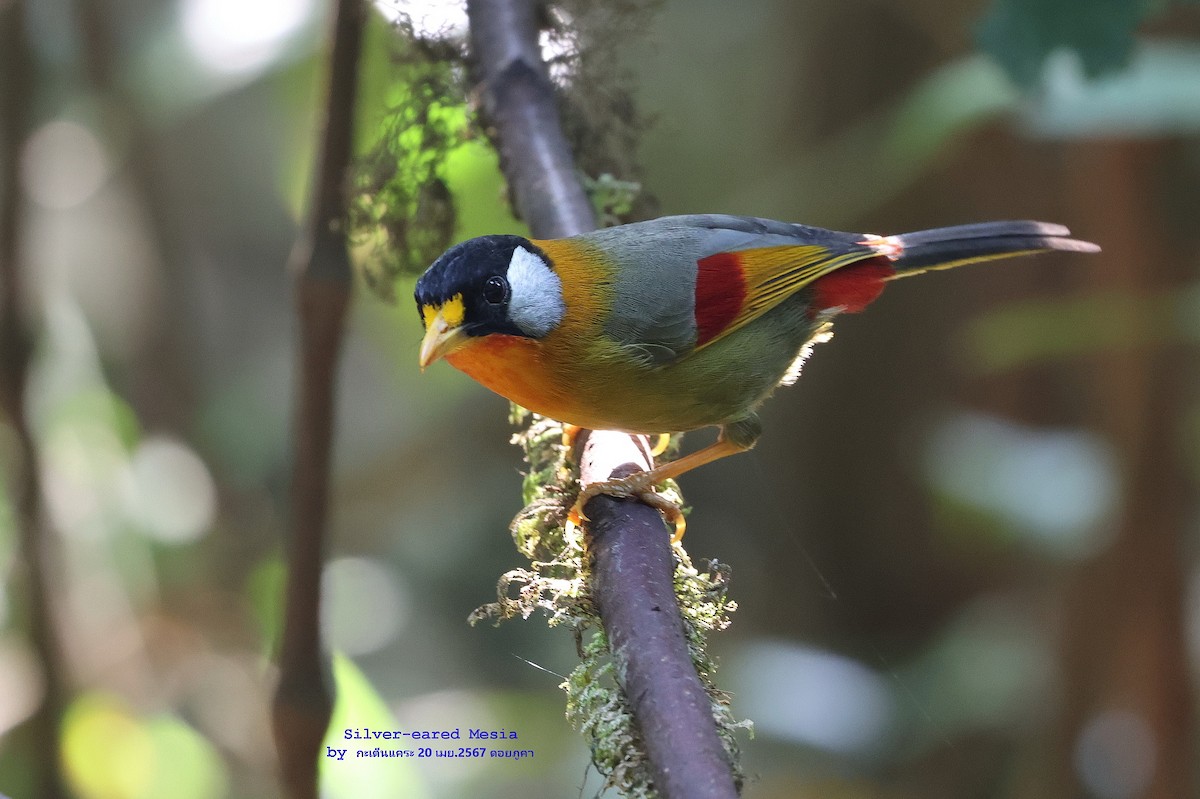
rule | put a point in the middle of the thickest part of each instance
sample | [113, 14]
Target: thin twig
[633, 566]
[303, 700]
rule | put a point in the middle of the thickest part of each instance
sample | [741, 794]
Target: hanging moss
[557, 584]
[402, 215]
[600, 116]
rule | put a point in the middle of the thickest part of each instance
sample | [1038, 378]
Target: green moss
[556, 583]
[401, 212]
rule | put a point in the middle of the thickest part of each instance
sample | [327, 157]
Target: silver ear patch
[536, 304]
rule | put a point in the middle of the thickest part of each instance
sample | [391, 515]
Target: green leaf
[360, 705]
[1021, 34]
[111, 753]
[954, 99]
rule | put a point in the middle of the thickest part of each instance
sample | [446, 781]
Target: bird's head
[489, 285]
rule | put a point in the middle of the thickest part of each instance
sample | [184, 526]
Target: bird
[677, 323]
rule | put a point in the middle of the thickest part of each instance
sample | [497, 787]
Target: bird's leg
[570, 432]
[735, 437]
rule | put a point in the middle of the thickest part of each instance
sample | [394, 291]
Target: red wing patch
[852, 287]
[720, 294]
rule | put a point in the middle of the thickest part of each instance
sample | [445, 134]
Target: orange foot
[640, 486]
[569, 433]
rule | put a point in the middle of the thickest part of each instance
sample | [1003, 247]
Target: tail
[948, 247]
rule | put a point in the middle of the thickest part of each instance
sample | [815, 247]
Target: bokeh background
[964, 552]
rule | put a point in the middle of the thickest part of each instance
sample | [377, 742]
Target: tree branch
[16, 344]
[303, 701]
[518, 99]
[632, 566]
[633, 587]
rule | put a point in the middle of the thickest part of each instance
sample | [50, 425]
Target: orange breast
[515, 367]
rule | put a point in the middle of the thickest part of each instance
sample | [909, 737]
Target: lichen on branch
[556, 583]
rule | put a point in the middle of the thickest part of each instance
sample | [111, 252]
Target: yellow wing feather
[772, 274]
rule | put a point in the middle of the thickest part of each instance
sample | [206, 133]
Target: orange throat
[512, 366]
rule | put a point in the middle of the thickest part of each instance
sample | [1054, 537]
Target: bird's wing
[748, 266]
[687, 281]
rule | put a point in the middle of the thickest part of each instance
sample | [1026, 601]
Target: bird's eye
[495, 290]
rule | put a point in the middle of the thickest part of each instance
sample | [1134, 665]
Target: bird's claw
[670, 510]
[639, 486]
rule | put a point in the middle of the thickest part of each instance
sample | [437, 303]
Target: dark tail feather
[947, 247]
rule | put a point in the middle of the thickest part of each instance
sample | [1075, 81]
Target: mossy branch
[651, 724]
[639, 749]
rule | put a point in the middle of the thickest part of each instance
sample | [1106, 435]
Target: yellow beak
[441, 339]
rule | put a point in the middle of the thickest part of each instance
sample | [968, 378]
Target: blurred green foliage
[402, 210]
[1037, 331]
[111, 752]
[360, 706]
[168, 319]
[1021, 34]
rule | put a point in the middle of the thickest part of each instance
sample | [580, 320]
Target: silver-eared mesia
[676, 323]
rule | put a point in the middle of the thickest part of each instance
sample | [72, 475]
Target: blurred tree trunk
[1124, 643]
[321, 262]
[17, 326]
[160, 376]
